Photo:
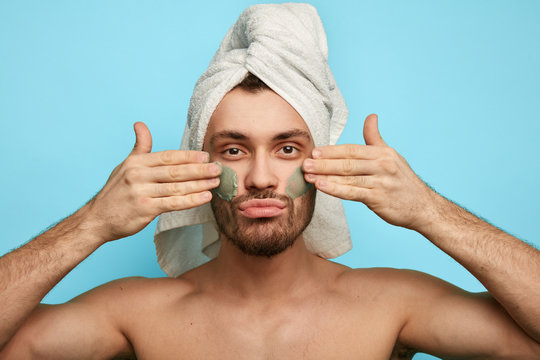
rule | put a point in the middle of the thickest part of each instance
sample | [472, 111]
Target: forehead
[254, 114]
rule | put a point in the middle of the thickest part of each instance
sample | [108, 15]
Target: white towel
[285, 46]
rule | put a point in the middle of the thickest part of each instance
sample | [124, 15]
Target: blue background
[456, 85]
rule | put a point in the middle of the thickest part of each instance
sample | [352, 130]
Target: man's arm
[451, 323]
[30, 272]
[380, 178]
[438, 318]
[505, 265]
[142, 187]
[90, 326]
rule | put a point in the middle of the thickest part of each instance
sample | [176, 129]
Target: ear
[371, 131]
[143, 139]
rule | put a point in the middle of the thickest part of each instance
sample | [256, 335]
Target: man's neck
[263, 277]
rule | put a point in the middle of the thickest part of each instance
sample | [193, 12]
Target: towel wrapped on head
[285, 46]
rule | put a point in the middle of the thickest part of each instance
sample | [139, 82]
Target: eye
[233, 151]
[288, 150]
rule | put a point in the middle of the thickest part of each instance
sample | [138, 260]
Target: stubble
[263, 236]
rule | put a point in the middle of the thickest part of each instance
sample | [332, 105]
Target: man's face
[264, 140]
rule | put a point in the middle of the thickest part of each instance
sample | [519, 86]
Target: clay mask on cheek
[228, 183]
[297, 185]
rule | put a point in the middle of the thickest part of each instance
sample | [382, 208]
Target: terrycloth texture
[285, 46]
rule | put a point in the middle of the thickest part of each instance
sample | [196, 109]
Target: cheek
[296, 184]
[234, 175]
[228, 184]
[290, 177]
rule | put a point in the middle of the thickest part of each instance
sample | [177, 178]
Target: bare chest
[327, 330]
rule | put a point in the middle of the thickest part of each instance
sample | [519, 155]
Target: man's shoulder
[134, 292]
[389, 283]
[387, 274]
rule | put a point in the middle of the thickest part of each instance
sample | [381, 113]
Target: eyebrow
[227, 134]
[236, 135]
[293, 133]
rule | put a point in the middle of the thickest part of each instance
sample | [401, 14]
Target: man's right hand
[147, 184]
[143, 186]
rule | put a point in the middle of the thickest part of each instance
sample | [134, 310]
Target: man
[266, 295]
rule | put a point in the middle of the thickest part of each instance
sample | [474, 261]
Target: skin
[293, 305]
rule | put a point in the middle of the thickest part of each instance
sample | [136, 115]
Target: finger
[143, 139]
[368, 182]
[183, 202]
[340, 167]
[346, 192]
[346, 151]
[185, 172]
[183, 188]
[372, 135]
[173, 157]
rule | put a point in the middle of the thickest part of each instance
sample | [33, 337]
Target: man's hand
[143, 186]
[147, 184]
[374, 174]
[379, 177]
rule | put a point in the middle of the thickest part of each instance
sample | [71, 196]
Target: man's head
[285, 44]
[264, 140]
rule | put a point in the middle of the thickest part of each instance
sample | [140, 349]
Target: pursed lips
[262, 208]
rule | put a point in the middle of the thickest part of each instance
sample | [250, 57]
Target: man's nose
[262, 174]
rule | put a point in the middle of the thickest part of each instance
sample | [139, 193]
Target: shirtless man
[289, 304]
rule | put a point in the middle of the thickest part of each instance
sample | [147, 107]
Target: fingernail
[219, 167]
[309, 164]
[316, 153]
[205, 157]
[215, 168]
[310, 177]
[207, 195]
[214, 181]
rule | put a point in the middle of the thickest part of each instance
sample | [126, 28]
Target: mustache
[265, 194]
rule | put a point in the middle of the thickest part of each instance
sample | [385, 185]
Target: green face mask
[228, 185]
[297, 185]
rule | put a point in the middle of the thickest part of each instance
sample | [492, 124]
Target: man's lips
[262, 208]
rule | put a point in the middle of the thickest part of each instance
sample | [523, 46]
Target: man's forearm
[505, 265]
[30, 272]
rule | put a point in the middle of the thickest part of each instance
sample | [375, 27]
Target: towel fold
[285, 46]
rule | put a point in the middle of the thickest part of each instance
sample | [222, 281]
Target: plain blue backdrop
[456, 85]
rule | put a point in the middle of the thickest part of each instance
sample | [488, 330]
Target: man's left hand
[374, 174]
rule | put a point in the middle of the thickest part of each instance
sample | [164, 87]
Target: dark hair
[252, 84]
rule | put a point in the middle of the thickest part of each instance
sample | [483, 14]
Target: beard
[264, 236]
